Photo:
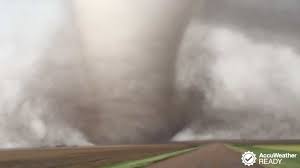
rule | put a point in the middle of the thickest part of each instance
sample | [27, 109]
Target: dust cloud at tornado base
[242, 58]
[82, 82]
[234, 78]
[40, 78]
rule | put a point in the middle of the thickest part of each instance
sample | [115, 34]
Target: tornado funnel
[129, 49]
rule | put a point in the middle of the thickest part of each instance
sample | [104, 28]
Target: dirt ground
[213, 154]
[88, 157]
[209, 156]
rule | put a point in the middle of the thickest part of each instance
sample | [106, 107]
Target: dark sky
[266, 20]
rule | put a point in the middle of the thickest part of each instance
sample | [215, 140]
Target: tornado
[129, 50]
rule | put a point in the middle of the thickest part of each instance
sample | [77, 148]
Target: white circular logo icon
[249, 158]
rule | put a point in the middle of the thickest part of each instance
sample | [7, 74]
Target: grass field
[142, 163]
[266, 149]
[287, 148]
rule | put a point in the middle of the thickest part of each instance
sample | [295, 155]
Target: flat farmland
[204, 154]
[81, 157]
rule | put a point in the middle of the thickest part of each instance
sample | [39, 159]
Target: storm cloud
[249, 53]
[145, 71]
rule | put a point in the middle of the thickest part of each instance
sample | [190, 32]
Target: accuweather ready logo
[249, 158]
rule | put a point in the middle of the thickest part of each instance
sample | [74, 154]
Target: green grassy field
[266, 149]
[287, 148]
[148, 161]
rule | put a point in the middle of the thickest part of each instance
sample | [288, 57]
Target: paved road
[209, 156]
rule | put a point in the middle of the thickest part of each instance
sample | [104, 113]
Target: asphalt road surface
[209, 156]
